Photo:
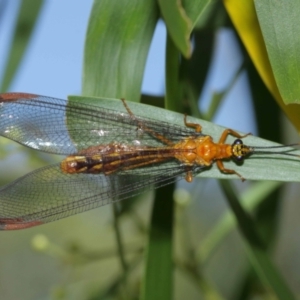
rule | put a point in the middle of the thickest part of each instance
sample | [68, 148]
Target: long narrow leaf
[158, 277]
[256, 167]
[116, 47]
[28, 14]
[280, 25]
[244, 17]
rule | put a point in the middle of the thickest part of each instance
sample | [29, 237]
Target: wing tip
[17, 223]
[10, 97]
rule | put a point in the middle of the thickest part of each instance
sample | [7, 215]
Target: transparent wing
[66, 127]
[47, 194]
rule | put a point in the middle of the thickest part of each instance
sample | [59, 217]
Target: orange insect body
[200, 151]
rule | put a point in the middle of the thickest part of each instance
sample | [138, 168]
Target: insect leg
[227, 171]
[145, 128]
[189, 176]
[227, 132]
[196, 126]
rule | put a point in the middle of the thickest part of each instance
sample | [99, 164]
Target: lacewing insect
[111, 156]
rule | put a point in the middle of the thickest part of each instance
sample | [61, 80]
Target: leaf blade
[27, 18]
[244, 17]
[116, 48]
[257, 167]
[279, 22]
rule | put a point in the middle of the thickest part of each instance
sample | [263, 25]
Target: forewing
[66, 127]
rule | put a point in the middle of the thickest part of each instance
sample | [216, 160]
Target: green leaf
[244, 18]
[178, 23]
[256, 167]
[174, 95]
[196, 8]
[117, 43]
[280, 25]
[28, 14]
[180, 20]
[158, 277]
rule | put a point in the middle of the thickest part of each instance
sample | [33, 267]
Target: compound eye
[239, 158]
[238, 142]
